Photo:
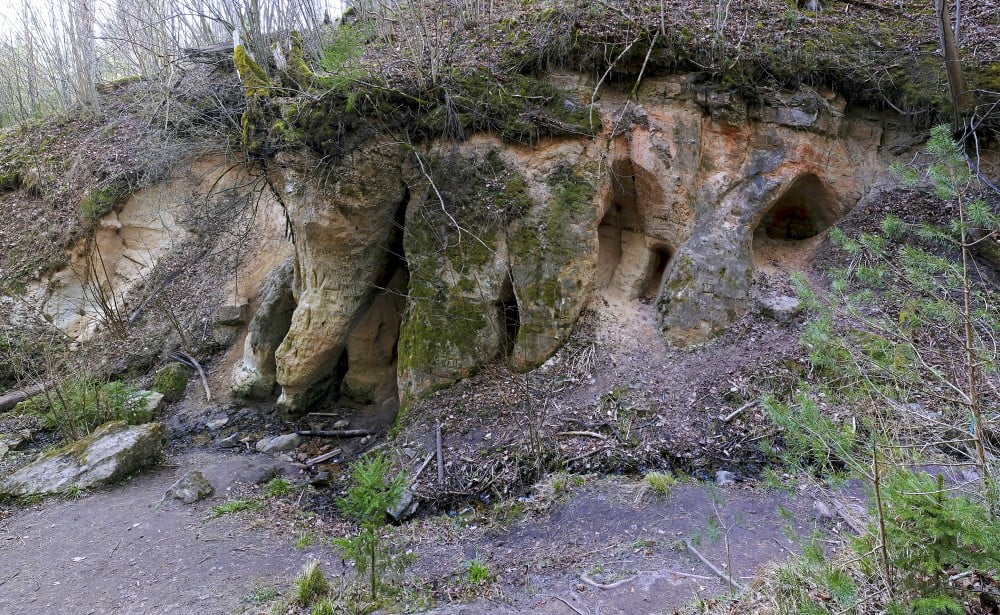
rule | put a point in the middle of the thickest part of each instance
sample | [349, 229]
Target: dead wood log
[13, 398]
[339, 433]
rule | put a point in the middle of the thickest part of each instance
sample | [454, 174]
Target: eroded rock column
[343, 224]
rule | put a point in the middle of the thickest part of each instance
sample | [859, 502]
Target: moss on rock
[171, 381]
[97, 202]
[457, 257]
[559, 241]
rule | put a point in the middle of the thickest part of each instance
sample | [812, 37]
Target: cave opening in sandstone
[627, 263]
[366, 372]
[791, 228]
[659, 260]
[803, 211]
[619, 226]
[370, 354]
[509, 316]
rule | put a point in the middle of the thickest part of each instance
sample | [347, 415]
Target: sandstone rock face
[553, 248]
[255, 375]
[782, 173]
[110, 453]
[343, 225]
[458, 265]
[480, 251]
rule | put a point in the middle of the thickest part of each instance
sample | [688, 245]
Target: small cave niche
[659, 259]
[790, 228]
[627, 263]
[803, 211]
[509, 316]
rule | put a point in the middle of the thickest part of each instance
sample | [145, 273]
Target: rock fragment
[277, 444]
[191, 487]
[112, 452]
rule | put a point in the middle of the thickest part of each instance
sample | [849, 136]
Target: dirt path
[127, 550]
[602, 534]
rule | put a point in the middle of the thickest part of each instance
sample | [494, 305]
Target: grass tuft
[311, 584]
[235, 506]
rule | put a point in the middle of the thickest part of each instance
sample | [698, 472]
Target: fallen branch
[13, 398]
[722, 575]
[192, 362]
[423, 465]
[563, 600]
[339, 433]
[735, 413]
[440, 454]
[589, 434]
[585, 455]
[323, 457]
[678, 573]
[593, 583]
[847, 517]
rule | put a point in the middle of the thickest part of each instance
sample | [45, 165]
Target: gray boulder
[278, 444]
[191, 487]
[781, 308]
[13, 442]
[113, 451]
[154, 401]
[724, 478]
[232, 315]
[405, 508]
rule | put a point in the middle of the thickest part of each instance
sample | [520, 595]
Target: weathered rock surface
[153, 401]
[191, 487]
[474, 251]
[781, 308]
[344, 223]
[254, 376]
[110, 453]
[232, 315]
[405, 508]
[458, 264]
[277, 444]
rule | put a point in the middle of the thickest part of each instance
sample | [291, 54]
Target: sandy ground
[127, 550]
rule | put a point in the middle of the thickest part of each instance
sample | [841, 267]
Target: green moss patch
[255, 80]
[171, 380]
[451, 326]
[559, 238]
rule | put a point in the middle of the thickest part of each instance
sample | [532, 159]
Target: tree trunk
[956, 83]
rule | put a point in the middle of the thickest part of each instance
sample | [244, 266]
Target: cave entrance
[803, 211]
[509, 316]
[627, 263]
[790, 227]
[369, 357]
[659, 259]
[371, 350]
